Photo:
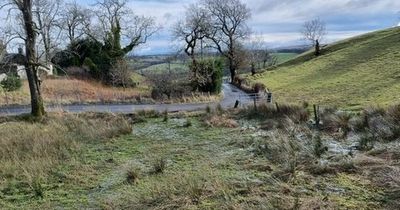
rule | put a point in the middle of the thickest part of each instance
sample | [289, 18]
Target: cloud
[279, 21]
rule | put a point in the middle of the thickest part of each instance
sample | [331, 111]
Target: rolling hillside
[351, 74]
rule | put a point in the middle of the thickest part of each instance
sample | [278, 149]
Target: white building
[14, 63]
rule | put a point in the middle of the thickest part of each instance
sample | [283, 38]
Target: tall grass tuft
[296, 113]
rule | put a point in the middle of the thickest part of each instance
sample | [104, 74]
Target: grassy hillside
[284, 57]
[351, 73]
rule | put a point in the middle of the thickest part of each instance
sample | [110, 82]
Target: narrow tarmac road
[230, 92]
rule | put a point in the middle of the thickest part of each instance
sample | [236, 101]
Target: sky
[278, 21]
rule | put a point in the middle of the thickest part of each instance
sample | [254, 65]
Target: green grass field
[190, 161]
[350, 74]
[284, 57]
[180, 67]
[164, 68]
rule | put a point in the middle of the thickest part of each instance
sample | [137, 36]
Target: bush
[367, 142]
[120, 74]
[258, 87]
[336, 122]
[159, 166]
[207, 75]
[93, 70]
[11, 83]
[319, 148]
[65, 59]
[169, 85]
[95, 56]
[188, 123]
[383, 123]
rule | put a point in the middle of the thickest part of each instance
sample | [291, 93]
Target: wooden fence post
[236, 104]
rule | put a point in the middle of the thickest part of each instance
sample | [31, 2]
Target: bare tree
[45, 13]
[314, 31]
[24, 7]
[229, 19]
[193, 30]
[259, 56]
[117, 21]
[120, 74]
[74, 20]
[255, 55]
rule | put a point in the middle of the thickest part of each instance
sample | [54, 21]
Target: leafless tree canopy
[314, 30]
[74, 20]
[46, 16]
[229, 19]
[195, 28]
[120, 74]
[259, 56]
[219, 22]
[116, 21]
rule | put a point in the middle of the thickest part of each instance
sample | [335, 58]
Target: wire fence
[245, 99]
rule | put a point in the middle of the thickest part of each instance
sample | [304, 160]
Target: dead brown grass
[67, 91]
[77, 91]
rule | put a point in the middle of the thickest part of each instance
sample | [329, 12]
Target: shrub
[165, 116]
[382, 123]
[258, 87]
[208, 109]
[319, 148]
[159, 166]
[169, 85]
[93, 70]
[65, 59]
[220, 110]
[120, 74]
[367, 142]
[11, 83]
[336, 122]
[207, 75]
[188, 123]
[95, 56]
[393, 113]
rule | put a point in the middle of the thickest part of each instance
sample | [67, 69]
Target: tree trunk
[30, 66]
[317, 48]
[233, 74]
[232, 69]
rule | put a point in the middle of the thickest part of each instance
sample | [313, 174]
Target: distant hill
[352, 73]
